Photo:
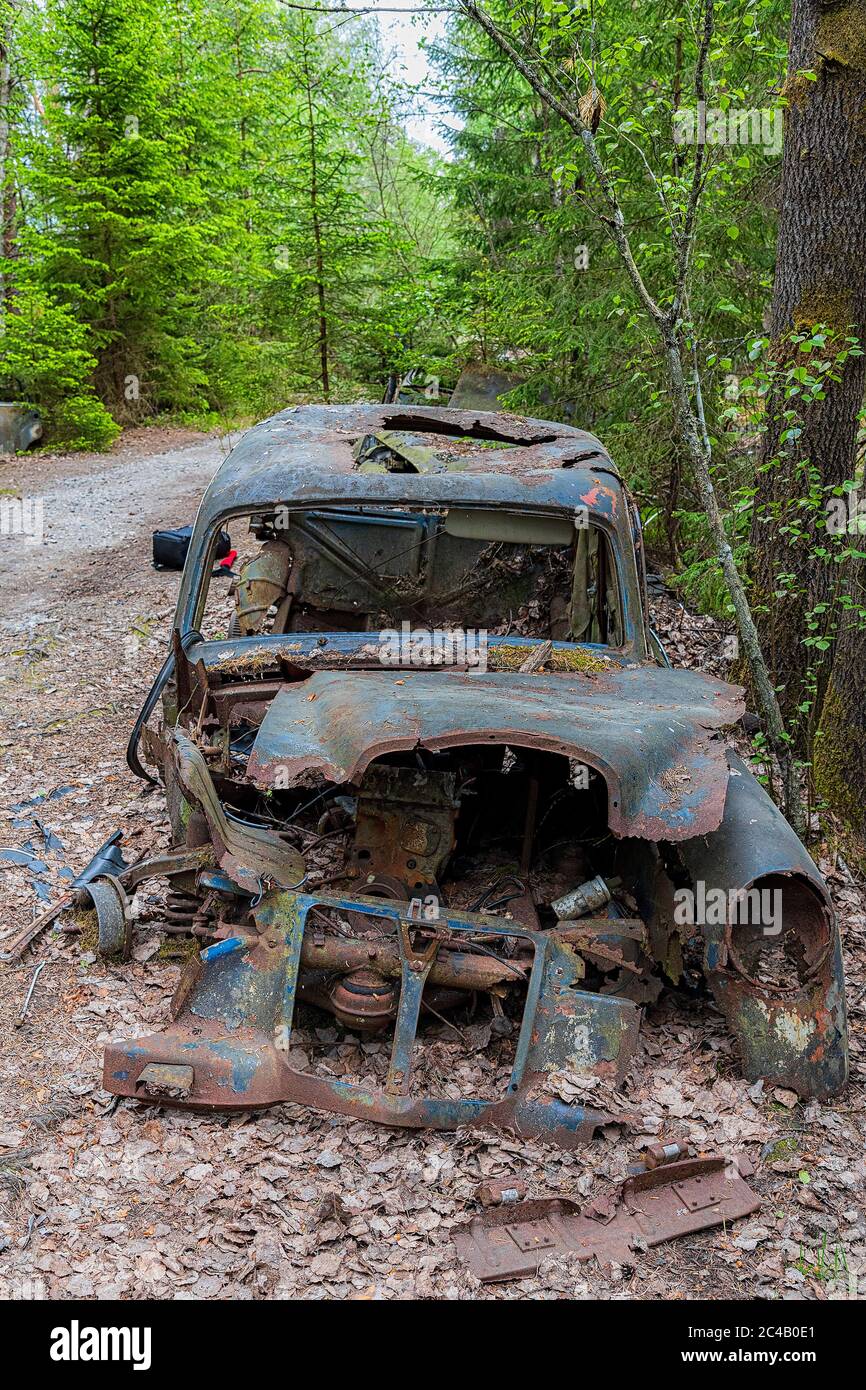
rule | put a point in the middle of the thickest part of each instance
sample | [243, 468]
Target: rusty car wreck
[509, 820]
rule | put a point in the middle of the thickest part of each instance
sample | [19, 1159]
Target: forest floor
[99, 1200]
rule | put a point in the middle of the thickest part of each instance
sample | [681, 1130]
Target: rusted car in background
[20, 427]
[430, 776]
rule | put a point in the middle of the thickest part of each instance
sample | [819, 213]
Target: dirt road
[125, 1201]
[88, 505]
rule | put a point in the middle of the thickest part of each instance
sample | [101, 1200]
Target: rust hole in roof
[476, 430]
[582, 457]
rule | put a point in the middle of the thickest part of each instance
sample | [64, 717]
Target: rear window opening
[503, 572]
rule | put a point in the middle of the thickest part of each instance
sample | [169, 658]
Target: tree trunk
[840, 743]
[243, 156]
[317, 240]
[820, 279]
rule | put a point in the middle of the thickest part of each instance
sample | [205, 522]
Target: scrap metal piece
[404, 827]
[396, 451]
[107, 856]
[108, 859]
[262, 582]
[677, 1199]
[497, 1193]
[19, 943]
[363, 1000]
[346, 955]
[416, 963]
[657, 1155]
[173, 862]
[587, 897]
[250, 854]
[29, 995]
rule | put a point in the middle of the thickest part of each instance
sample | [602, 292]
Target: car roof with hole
[362, 455]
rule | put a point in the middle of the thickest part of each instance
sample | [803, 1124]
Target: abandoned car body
[509, 822]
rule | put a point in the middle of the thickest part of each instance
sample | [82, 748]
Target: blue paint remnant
[43, 796]
[243, 1064]
[435, 1111]
[26, 857]
[213, 878]
[546, 1117]
[223, 948]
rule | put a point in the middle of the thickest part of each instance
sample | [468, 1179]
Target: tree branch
[616, 222]
[685, 239]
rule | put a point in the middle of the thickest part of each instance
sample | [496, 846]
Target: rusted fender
[250, 854]
[794, 1034]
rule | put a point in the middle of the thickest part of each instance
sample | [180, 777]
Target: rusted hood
[648, 730]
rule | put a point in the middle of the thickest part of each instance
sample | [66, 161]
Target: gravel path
[103, 506]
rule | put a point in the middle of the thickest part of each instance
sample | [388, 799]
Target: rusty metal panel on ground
[510, 1241]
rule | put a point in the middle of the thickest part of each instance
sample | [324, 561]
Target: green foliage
[217, 203]
[249, 375]
[111, 235]
[44, 358]
[700, 580]
[546, 292]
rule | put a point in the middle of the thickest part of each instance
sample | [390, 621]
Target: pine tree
[109, 223]
[326, 239]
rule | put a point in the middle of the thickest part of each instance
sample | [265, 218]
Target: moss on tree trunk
[840, 742]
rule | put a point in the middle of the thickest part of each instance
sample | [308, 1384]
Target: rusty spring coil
[181, 911]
